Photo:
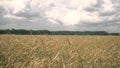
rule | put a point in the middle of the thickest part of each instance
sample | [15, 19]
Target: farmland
[59, 51]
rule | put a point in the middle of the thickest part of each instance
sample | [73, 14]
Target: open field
[46, 51]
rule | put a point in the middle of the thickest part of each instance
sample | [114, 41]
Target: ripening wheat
[55, 51]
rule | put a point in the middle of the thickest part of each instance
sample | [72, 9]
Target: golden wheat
[55, 51]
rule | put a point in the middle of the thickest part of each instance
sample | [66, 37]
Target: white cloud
[69, 12]
[70, 18]
[13, 17]
[107, 6]
[14, 6]
[66, 12]
[72, 12]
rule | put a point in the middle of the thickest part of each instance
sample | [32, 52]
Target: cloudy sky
[78, 15]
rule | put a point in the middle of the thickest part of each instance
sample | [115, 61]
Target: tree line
[44, 32]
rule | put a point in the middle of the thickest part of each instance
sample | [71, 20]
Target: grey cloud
[2, 12]
[104, 23]
[115, 15]
[94, 7]
[110, 28]
[1, 9]
[91, 9]
[36, 19]
[106, 13]
[27, 15]
[31, 12]
[97, 8]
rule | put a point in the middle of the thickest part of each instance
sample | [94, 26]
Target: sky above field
[78, 15]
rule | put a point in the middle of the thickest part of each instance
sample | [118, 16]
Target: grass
[46, 51]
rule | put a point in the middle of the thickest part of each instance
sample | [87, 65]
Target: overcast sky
[78, 15]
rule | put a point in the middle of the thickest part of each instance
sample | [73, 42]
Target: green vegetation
[44, 32]
[59, 51]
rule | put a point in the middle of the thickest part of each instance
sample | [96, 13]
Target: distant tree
[114, 34]
[37, 32]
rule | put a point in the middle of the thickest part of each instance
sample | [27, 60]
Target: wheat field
[59, 51]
